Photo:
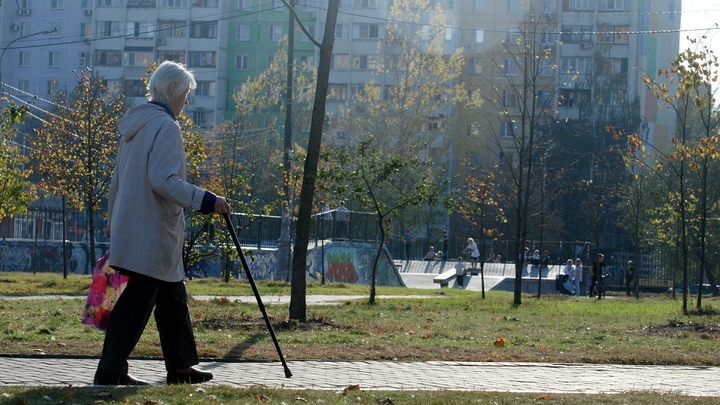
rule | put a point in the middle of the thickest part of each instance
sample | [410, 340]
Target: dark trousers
[131, 314]
[593, 283]
[407, 251]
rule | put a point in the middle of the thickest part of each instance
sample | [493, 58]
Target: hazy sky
[704, 15]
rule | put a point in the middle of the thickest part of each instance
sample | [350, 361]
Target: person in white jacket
[146, 225]
[569, 270]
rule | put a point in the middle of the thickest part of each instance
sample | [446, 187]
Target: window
[340, 31]
[277, 5]
[56, 4]
[337, 92]
[110, 3]
[543, 99]
[85, 31]
[57, 28]
[114, 86]
[476, 66]
[205, 3]
[513, 38]
[241, 62]
[614, 34]
[54, 59]
[84, 59]
[549, 7]
[311, 31]
[202, 117]
[108, 58]
[270, 61]
[507, 130]
[25, 29]
[365, 62]
[134, 88]
[203, 29]
[174, 56]
[366, 3]
[205, 88]
[108, 28]
[478, 6]
[547, 37]
[479, 36]
[613, 97]
[24, 227]
[357, 91]
[307, 62]
[244, 5]
[576, 33]
[85, 3]
[173, 3]
[367, 31]
[276, 32]
[509, 99]
[573, 98]
[581, 5]
[546, 68]
[174, 29]
[613, 66]
[139, 29]
[242, 33]
[52, 86]
[23, 58]
[137, 58]
[448, 34]
[202, 59]
[341, 62]
[613, 5]
[24, 85]
[576, 65]
[510, 68]
[512, 6]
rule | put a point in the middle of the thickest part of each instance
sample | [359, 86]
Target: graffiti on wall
[47, 257]
[342, 263]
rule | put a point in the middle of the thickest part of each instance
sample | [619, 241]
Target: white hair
[170, 76]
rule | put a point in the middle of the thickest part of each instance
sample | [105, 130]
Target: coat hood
[137, 117]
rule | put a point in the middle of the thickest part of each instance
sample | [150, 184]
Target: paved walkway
[376, 375]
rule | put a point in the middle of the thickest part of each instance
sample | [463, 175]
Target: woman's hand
[221, 205]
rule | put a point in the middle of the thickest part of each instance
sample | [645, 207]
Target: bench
[445, 278]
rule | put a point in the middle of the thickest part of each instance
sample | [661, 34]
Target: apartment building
[228, 41]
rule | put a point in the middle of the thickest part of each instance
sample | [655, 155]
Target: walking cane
[288, 374]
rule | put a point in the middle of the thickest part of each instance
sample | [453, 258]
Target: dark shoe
[105, 378]
[195, 376]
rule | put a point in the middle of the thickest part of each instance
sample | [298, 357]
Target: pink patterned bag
[106, 287]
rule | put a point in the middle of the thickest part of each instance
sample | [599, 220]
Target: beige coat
[148, 193]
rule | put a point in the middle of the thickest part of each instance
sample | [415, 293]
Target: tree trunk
[298, 307]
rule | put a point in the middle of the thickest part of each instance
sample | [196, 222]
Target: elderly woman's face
[178, 99]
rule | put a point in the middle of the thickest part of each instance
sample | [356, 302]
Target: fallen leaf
[301, 399]
[386, 401]
[544, 397]
[350, 388]
[60, 344]
[500, 342]
[41, 351]
[262, 398]
[198, 314]
[21, 401]
[426, 336]
[150, 402]
[68, 393]
[199, 389]
[426, 326]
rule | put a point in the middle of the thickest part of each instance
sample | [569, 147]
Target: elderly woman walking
[146, 224]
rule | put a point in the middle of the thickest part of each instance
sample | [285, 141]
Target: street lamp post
[12, 42]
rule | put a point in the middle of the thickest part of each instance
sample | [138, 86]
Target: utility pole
[286, 216]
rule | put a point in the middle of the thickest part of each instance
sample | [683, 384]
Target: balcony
[141, 3]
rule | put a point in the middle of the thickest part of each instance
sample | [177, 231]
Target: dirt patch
[251, 324]
[675, 327]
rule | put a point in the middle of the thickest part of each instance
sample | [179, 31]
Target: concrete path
[390, 375]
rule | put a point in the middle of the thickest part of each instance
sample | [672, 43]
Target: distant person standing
[460, 273]
[407, 242]
[629, 277]
[341, 216]
[474, 252]
[327, 219]
[597, 270]
[577, 277]
[444, 241]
